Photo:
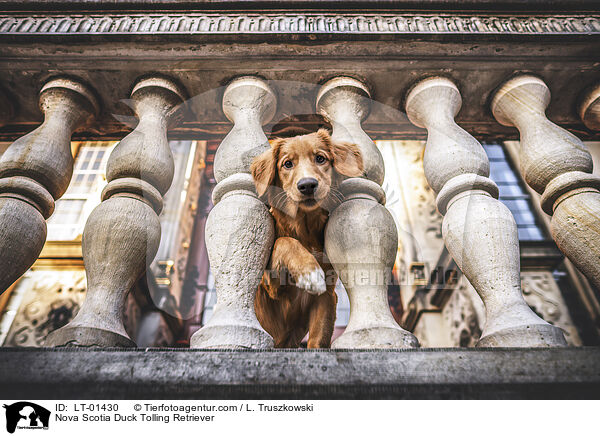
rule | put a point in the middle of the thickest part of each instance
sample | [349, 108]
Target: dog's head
[303, 172]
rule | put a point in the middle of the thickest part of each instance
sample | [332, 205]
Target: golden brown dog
[298, 178]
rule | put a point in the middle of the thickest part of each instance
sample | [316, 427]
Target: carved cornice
[195, 23]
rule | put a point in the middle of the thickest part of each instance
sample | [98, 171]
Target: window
[83, 193]
[512, 194]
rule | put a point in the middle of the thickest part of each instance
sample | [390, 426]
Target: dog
[298, 178]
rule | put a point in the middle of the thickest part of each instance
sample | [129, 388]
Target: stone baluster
[557, 165]
[122, 233]
[589, 108]
[479, 231]
[35, 171]
[239, 229]
[361, 239]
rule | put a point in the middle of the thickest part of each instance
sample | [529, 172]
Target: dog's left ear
[263, 171]
[347, 159]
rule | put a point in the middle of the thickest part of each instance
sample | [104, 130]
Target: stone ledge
[300, 374]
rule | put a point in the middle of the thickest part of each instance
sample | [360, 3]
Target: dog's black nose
[307, 185]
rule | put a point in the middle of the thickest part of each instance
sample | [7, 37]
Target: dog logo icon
[26, 415]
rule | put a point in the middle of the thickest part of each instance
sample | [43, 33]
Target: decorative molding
[195, 23]
[543, 295]
[463, 323]
[51, 299]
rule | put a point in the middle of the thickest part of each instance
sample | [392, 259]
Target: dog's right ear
[263, 169]
[347, 159]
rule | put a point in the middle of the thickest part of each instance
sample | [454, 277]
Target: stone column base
[231, 336]
[376, 337]
[537, 335]
[87, 337]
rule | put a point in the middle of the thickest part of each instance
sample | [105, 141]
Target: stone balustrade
[361, 238]
[122, 234]
[479, 231]
[239, 230]
[35, 171]
[557, 165]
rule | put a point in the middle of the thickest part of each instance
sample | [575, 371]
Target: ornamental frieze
[194, 23]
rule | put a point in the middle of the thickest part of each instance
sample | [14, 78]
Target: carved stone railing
[239, 229]
[557, 165]
[361, 238]
[122, 234]
[479, 231]
[35, 171]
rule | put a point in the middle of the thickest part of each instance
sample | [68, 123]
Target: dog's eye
[320, 159]
[288, 164]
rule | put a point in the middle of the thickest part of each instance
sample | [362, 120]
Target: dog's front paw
[313, 282]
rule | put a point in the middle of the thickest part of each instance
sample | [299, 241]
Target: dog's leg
[321, 320]
[305, 271]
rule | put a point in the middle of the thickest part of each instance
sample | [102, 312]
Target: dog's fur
[296, 294]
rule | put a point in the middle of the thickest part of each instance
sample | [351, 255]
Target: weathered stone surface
[361, 237]
[120, 239]
[35, 171]
[239, 229]
[557, 165]
[122, 234]
[249, 103]
[346, 102]
[518, 373]
[479, 231]
[363, 259]
[239, 239]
